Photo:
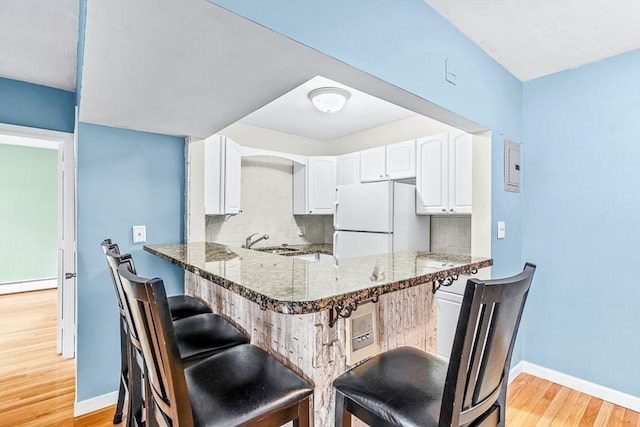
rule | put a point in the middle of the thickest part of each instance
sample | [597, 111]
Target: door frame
[66, 305]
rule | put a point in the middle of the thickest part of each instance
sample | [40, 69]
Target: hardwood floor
[37, 387]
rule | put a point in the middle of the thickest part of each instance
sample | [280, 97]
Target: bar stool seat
[182, 306]
[205, 334]
[240, 385]
[407, 391]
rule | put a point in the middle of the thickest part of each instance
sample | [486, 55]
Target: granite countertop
[285, 284]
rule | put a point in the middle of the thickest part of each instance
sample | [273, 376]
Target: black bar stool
[240, 386]
[410, 388]
[199, 335]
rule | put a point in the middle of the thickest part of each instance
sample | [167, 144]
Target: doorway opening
[37, 220]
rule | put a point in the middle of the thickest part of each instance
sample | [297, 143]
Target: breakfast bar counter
[295, 309]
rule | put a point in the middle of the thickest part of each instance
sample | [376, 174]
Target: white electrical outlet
[139, 234]
[502, 232]
[301, 231]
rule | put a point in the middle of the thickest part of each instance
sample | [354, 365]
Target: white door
[232, 177]
[348, 169]
[364, 207]
[67, 246]
[373, 164]
[460, 172]
[431, 177]
[448, 312]
[349, 244]
[321, 188]
[401, 160]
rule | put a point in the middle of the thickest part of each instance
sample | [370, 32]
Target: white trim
[28, 142]
[251, 151]
[35, 133]
[27, 286]
[95, 403]
[515, 371]
[601, 392]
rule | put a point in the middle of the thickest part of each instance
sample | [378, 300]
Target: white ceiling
[294, 113]
[39, 40]
[194, 68]
[534, 38]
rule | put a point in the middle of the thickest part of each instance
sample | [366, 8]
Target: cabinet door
[431, 175]
[348, 169]
[373, 164]
[448, 312]
[321, 185]
[460, 172]
[213, 176]
[232, 174]
[401, 160]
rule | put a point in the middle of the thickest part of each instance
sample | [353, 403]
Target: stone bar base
[306, 344]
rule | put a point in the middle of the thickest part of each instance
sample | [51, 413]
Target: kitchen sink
[278, 250]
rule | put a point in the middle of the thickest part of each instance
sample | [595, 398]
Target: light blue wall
[30, 105]
[582, 221]
[406, 42]
[125, 178]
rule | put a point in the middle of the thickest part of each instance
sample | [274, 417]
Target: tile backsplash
[451, 234]
[266, 201]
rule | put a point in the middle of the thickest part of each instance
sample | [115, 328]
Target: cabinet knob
[444, 210]
[451, 210]
[381, 176]
[310, 211]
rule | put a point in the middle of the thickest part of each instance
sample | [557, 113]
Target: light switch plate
[502, 232]
[139, 234]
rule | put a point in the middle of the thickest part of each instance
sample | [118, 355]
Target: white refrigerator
[378, 217]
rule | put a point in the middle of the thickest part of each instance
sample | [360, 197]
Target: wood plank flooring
[37, 387]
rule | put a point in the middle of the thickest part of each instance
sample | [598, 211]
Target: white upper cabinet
[348, 169]
[314, 186]
[222, 172]
[395, 161]
[460, 172]
[401, 160]
[431, 177]
[444, 174]
[373, 164]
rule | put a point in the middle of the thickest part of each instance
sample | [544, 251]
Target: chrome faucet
[248, 243]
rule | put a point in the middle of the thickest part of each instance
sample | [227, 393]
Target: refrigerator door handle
[335, 245]
[335, 214]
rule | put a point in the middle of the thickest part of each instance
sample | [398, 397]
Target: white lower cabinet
[449, 302]
[314, 189]
[448, 312]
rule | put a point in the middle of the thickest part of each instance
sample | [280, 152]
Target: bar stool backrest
[482, 347]
[106, 246]
[152, 318]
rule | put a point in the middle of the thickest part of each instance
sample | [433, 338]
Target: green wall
[28, 213]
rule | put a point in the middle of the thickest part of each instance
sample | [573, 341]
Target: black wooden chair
[199, 335]
[408, 387]
[181, 306]
[239, 386]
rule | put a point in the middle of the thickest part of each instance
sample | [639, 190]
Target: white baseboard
[95, 403]
[33, 285]
[601, 392]
[515, 371]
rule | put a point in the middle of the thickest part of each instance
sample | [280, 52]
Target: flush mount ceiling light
[329, 99]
